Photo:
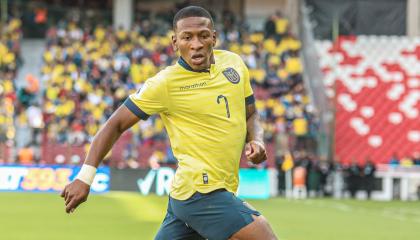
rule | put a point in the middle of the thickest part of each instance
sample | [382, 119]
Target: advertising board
[254, 183]
[47, 178]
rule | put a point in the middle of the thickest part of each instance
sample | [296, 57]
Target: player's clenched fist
[74, 194]
[255, 152]
[77, 191]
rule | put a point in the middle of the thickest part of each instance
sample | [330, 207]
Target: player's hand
[74, 194]
[255, 152]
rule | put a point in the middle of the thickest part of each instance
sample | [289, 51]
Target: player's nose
[196, 43]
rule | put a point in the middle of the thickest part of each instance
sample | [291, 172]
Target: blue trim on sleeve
[250, 99]
[135, 109]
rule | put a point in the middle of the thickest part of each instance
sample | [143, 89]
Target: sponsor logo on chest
[193, 86]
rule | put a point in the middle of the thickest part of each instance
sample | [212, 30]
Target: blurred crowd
[407, 161]
[89, 71]
[313, 178]
[10, 39]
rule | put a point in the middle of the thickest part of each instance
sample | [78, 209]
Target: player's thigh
[259, 229]
[215, 216]
[173, 228]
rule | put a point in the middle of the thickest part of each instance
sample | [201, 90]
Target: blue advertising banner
[47, 178]
[254, 183]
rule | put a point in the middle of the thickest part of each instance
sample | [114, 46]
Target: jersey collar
[185, 65]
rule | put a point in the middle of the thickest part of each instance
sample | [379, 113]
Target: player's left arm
[255, 147]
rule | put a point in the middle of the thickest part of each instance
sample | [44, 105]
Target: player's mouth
[197, 59]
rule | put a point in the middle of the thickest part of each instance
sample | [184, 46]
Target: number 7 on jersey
[226, 103]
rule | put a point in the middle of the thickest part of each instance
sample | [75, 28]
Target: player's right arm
[121, 120]
[151, 99]
[77, 191]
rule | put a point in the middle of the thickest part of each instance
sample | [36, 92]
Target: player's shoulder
[228, 57]
[225, 54]
[165, 74]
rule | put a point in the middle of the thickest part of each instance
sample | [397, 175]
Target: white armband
[86, 174]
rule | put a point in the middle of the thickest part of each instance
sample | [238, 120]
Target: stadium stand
[9, 62]
[376, 80]
[88, 73]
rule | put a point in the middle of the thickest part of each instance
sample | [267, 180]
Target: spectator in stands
[368, 179]
[7, 111]
[10, 46]
[406, 162]
[36, 122]
[353, 178]
[338, 180]
[416, 159]
[299, 181]
[276, 85]
[276, 26]
[25, 97]
[130, 156]
[300, 130]
[394, 161]
[314, 178]
[281, 176]
[77, 136]
[270, 27]
[156, 159]
[26, 155]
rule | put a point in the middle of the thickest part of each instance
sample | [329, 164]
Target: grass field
[126, 216]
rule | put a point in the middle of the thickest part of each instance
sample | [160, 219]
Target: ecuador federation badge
[232, 75]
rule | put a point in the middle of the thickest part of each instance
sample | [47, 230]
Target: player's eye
[186, 38]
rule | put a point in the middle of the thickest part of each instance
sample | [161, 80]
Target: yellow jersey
[205, 118]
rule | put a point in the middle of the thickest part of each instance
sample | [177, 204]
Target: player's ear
[214, 37]
[174, 43]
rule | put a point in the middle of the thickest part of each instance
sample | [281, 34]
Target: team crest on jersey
[232, 75]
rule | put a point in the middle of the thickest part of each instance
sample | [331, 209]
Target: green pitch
[126, 216]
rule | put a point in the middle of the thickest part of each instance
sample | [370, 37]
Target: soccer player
[207, 105]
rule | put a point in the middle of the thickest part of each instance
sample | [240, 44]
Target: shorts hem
[237, 227]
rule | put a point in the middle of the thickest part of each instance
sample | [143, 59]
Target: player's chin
[201, 63]
[199, 67]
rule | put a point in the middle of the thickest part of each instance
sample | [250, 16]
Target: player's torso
[209, 97]
[206, 122]
[211, 103]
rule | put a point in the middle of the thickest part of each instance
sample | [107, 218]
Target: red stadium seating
[377, 86]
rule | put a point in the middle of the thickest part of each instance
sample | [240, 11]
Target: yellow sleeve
[149, 100]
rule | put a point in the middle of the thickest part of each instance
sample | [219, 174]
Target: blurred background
[337, 86]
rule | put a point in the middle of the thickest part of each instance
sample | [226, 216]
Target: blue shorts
[213, 216]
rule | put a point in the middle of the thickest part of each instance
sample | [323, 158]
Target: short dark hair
[191, 11]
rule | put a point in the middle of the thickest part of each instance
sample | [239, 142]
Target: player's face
[195, 38]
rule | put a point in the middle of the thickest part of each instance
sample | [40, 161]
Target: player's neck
[212, 61]
[185, 65]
